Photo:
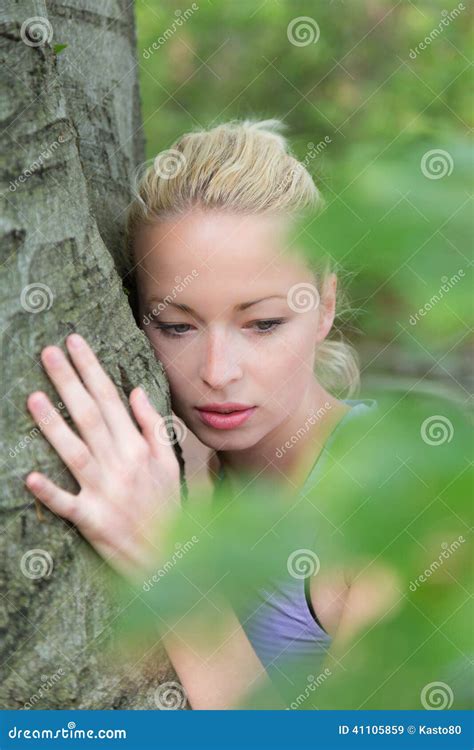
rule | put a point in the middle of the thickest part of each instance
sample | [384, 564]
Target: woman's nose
[221, 359]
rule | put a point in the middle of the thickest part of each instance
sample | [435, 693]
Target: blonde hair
[246, 167]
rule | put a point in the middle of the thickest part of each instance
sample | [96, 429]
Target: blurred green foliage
[394, 495]
[357, 83]
[376, 102]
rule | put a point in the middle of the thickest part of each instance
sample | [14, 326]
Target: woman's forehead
[225, 245]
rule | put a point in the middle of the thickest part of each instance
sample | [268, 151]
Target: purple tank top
[279, 622]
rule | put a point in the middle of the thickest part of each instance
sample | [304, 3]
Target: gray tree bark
[71, 138]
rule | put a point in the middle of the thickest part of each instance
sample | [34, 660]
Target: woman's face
[218, 302]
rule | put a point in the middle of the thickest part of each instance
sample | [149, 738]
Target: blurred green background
[375, 95]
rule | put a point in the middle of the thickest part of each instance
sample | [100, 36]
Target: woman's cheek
[165, 350]
[295, 350]
[294, 369]
[171, 365]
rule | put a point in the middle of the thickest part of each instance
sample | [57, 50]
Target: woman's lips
[225, 421]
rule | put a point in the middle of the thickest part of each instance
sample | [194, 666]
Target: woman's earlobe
[330, 289]
[328, 302]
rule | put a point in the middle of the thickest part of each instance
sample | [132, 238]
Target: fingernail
[143, 395]
[33, 480]
[53, 355]
[75, 340]
[36, 399]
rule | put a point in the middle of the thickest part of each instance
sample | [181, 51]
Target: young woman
[240, 322]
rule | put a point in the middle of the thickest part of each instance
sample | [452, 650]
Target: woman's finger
[64, 440]
[103, 390]
[56, 499]
[84, 411]
[152, 424]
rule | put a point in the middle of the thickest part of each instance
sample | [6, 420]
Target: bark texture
[71, 138]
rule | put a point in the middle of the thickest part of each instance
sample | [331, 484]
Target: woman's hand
[129, 480]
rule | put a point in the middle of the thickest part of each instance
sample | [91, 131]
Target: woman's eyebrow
[186, 308]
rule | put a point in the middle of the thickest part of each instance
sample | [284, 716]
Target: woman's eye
[173, 329]
[267, 326]
[180, 329]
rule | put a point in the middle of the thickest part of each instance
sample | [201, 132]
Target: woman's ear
[327, 307]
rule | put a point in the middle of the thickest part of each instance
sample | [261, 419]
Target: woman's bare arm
[369, 594]
[222, 673]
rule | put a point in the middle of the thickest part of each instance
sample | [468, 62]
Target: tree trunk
[71, 138]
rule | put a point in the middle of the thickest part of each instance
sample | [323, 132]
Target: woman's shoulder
[355, 409]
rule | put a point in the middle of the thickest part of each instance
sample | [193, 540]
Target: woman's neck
[288, 453]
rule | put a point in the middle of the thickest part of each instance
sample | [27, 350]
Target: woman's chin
[225, 440]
